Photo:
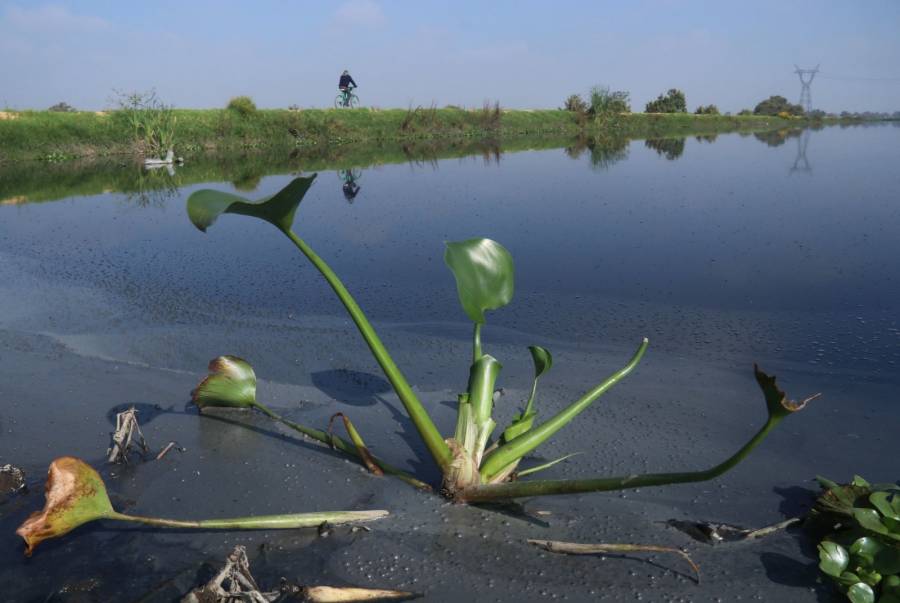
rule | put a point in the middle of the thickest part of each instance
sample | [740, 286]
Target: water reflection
[670, 148]
[801, 163]
[350, 188]
[776, 138]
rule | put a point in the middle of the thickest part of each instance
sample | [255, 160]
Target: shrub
[777, 104]
[242, 105]
[62, 107]
[152, 121]
[672, 102]
[575, 104]
[784, 115]
[707, 110]
[605, 101]
[745, 112]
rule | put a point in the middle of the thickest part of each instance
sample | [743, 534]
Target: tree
[707, 110]
[605, 101]
[775, 105]
[576, 104]
[672, 102]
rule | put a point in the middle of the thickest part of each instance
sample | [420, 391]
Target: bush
[707, 110]
[62, 107]
[152, 122]
[672, 102]
[605, 101]
[576, 104]
[745, 112]
[775, 105]
[784, 115]
[242, 105]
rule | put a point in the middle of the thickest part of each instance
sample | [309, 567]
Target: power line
[859, 78]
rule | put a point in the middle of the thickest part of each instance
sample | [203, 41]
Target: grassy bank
[58, 136]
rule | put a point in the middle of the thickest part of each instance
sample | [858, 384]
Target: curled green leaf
[205, 206]
[231, 383]
[484, 275]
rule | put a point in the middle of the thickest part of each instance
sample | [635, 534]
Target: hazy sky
[198, 53]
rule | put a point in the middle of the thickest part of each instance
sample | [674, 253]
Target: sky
[402, 53]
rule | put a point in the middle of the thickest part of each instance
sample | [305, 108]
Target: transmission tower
[806, 78]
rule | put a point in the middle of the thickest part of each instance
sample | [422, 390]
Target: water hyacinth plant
[476, 464]
[76, 495]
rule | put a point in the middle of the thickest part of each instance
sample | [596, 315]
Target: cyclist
[345, 82]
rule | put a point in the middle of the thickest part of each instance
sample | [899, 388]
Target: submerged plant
[76, 495]
[862, 552]
[477, 464]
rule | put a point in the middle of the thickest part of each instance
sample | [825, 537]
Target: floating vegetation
[861, 554]
[477, 466]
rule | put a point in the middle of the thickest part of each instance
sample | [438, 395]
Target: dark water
[782, 248]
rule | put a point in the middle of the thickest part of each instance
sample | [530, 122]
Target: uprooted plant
[476, 464]
[76, 495]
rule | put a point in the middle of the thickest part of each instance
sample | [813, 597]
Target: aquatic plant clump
[478, 463]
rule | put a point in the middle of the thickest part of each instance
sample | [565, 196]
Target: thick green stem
[344, 446]
[528, 441]
[426, 427]
[544, 487]
[482, 377]
[476, 342]
[263, 522]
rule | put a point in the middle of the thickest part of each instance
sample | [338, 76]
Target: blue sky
[525, 54]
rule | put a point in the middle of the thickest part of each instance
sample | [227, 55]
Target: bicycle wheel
[339, 101]
[354, 101]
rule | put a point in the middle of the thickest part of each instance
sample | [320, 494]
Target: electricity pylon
[806, 78]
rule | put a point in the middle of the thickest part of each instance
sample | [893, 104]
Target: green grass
[60, 136]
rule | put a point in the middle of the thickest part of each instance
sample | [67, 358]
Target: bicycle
[346, 99]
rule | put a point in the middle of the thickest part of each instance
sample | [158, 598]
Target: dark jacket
[346, 80]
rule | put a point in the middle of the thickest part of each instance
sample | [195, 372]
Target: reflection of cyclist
[351, 189]
[345, 82]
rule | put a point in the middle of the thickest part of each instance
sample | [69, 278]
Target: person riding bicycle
[345, 82]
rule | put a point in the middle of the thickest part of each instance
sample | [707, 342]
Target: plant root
[123, 437]
[715, 533]
[575, 548]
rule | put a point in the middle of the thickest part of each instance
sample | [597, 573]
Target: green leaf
[860, 482]
[833, 558]
[866, 548]
[778, 404]
[870, 520]
[531, 470]
[205, 206]
[521, 423]
[542, 358]
[861, 593]
[231, 383]
[882, 502]
[890, 590]
[484, 275]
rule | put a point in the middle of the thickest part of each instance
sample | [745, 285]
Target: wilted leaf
[833, 558]
[777, 402]
[231, 383]
[484, 275]
[205, 206]
[75, 495]
[348, 594]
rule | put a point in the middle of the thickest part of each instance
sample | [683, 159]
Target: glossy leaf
[778, 404]
[871, 520]
[484, 275]
[231, 383]
[542, 358]
[75, 494]
[887, 507]
[833, 558]
[866, 548]
[861, 593]
[205, 206]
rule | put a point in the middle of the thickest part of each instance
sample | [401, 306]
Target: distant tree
[816, 114]
[707, 110]
[607, 102]
[242, 105]
[62, 107]
[745, 112]
[775, 105]
[576, 104]
[672, 102]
